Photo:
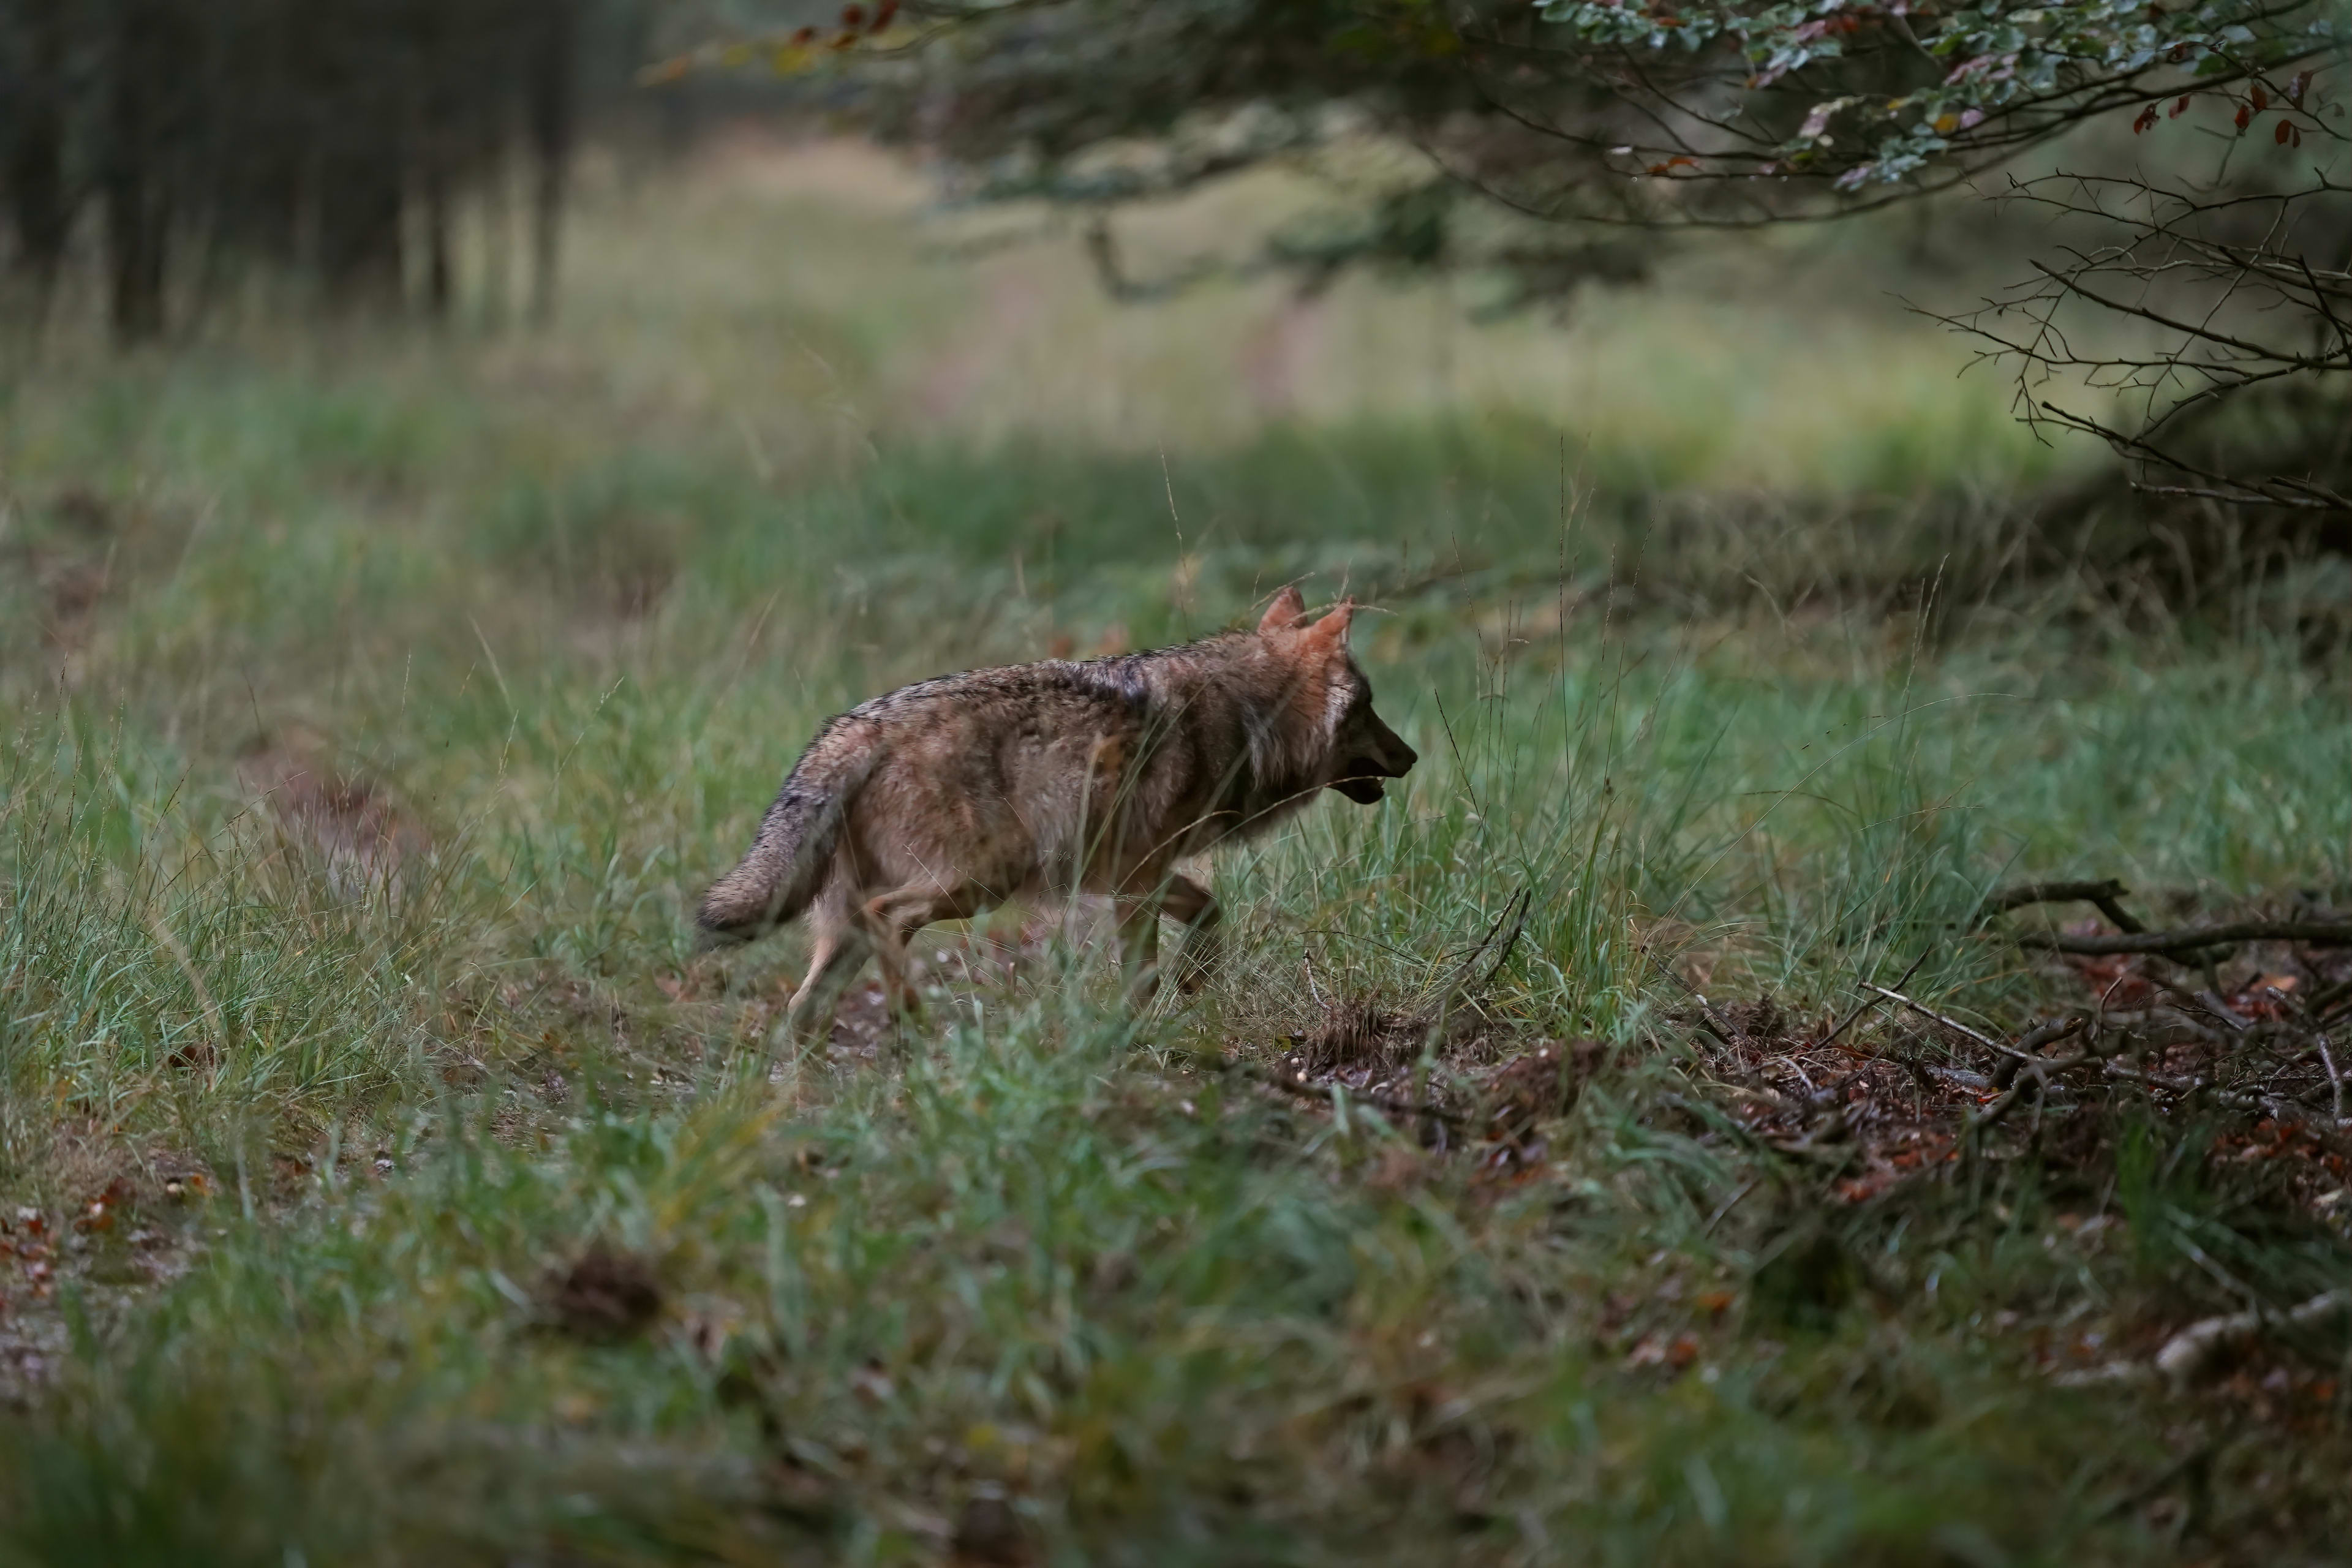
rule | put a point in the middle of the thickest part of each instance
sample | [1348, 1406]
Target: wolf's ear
[1284, 611]
[1333, 629]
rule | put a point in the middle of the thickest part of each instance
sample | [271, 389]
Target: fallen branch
[2333, 933]
[2272, 1105]
[2106, 896]
[2026, 1055]
[2187, 1353]
[2038, 1074]
[2323, 1003]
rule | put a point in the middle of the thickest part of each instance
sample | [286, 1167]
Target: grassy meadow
[385, 1178]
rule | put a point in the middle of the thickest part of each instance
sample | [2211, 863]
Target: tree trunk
[439, 286]
[273, 137]
[137, 178]
[438, 135]
[37, 204]
[554, 113]
[363, 111]
[359, 251]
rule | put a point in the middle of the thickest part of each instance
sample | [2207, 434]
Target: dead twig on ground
[2027, 1051]
[2273, 1105]
[2324, 1002]
[2038, 1076]
[2106, 896]
[1725, 1207]
[1901, 981]
[1987, 1041]
[2187, 1353]
[2189, 939]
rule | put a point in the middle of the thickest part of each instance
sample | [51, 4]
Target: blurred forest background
[1837, 1054]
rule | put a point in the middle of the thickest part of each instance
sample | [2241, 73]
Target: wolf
[943, 799]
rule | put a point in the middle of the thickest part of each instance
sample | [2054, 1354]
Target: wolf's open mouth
[1360, 789]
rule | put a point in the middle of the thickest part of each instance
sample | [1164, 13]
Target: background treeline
[168, 149]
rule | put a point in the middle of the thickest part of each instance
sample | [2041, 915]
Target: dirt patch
[605, 1297]
[989, 1534]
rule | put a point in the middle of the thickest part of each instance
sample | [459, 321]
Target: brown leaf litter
[1465, 1078]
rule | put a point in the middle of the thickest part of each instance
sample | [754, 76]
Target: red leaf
[852, 17]
[2147, 117]
[2245, 116]
[804, 35]
[883, 13]
[2283, 132]
[2262, 99]
[2180, 106]
[2295, 88]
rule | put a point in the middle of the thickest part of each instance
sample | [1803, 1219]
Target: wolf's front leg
[1189, 905]
[1138, 948]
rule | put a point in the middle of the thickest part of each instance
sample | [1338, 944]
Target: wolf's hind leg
[1189, 905]
[893, 918]
[1138, 948]
[840, 952]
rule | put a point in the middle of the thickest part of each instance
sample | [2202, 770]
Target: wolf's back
[792, 850]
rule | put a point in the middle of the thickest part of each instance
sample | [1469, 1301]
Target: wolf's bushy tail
[790, 855]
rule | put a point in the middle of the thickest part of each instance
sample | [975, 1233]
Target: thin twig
[2332, 933]
[2334, 1081]
[2235, 498]
[2240, 1100]
[1987, 1041]
[1727, 1204]
[2037, 1072]
[1518, 918]
[1902, 979]
[2028, 1051]
[2323, 1001]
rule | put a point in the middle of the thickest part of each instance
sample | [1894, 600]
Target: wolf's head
[1356, 750]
